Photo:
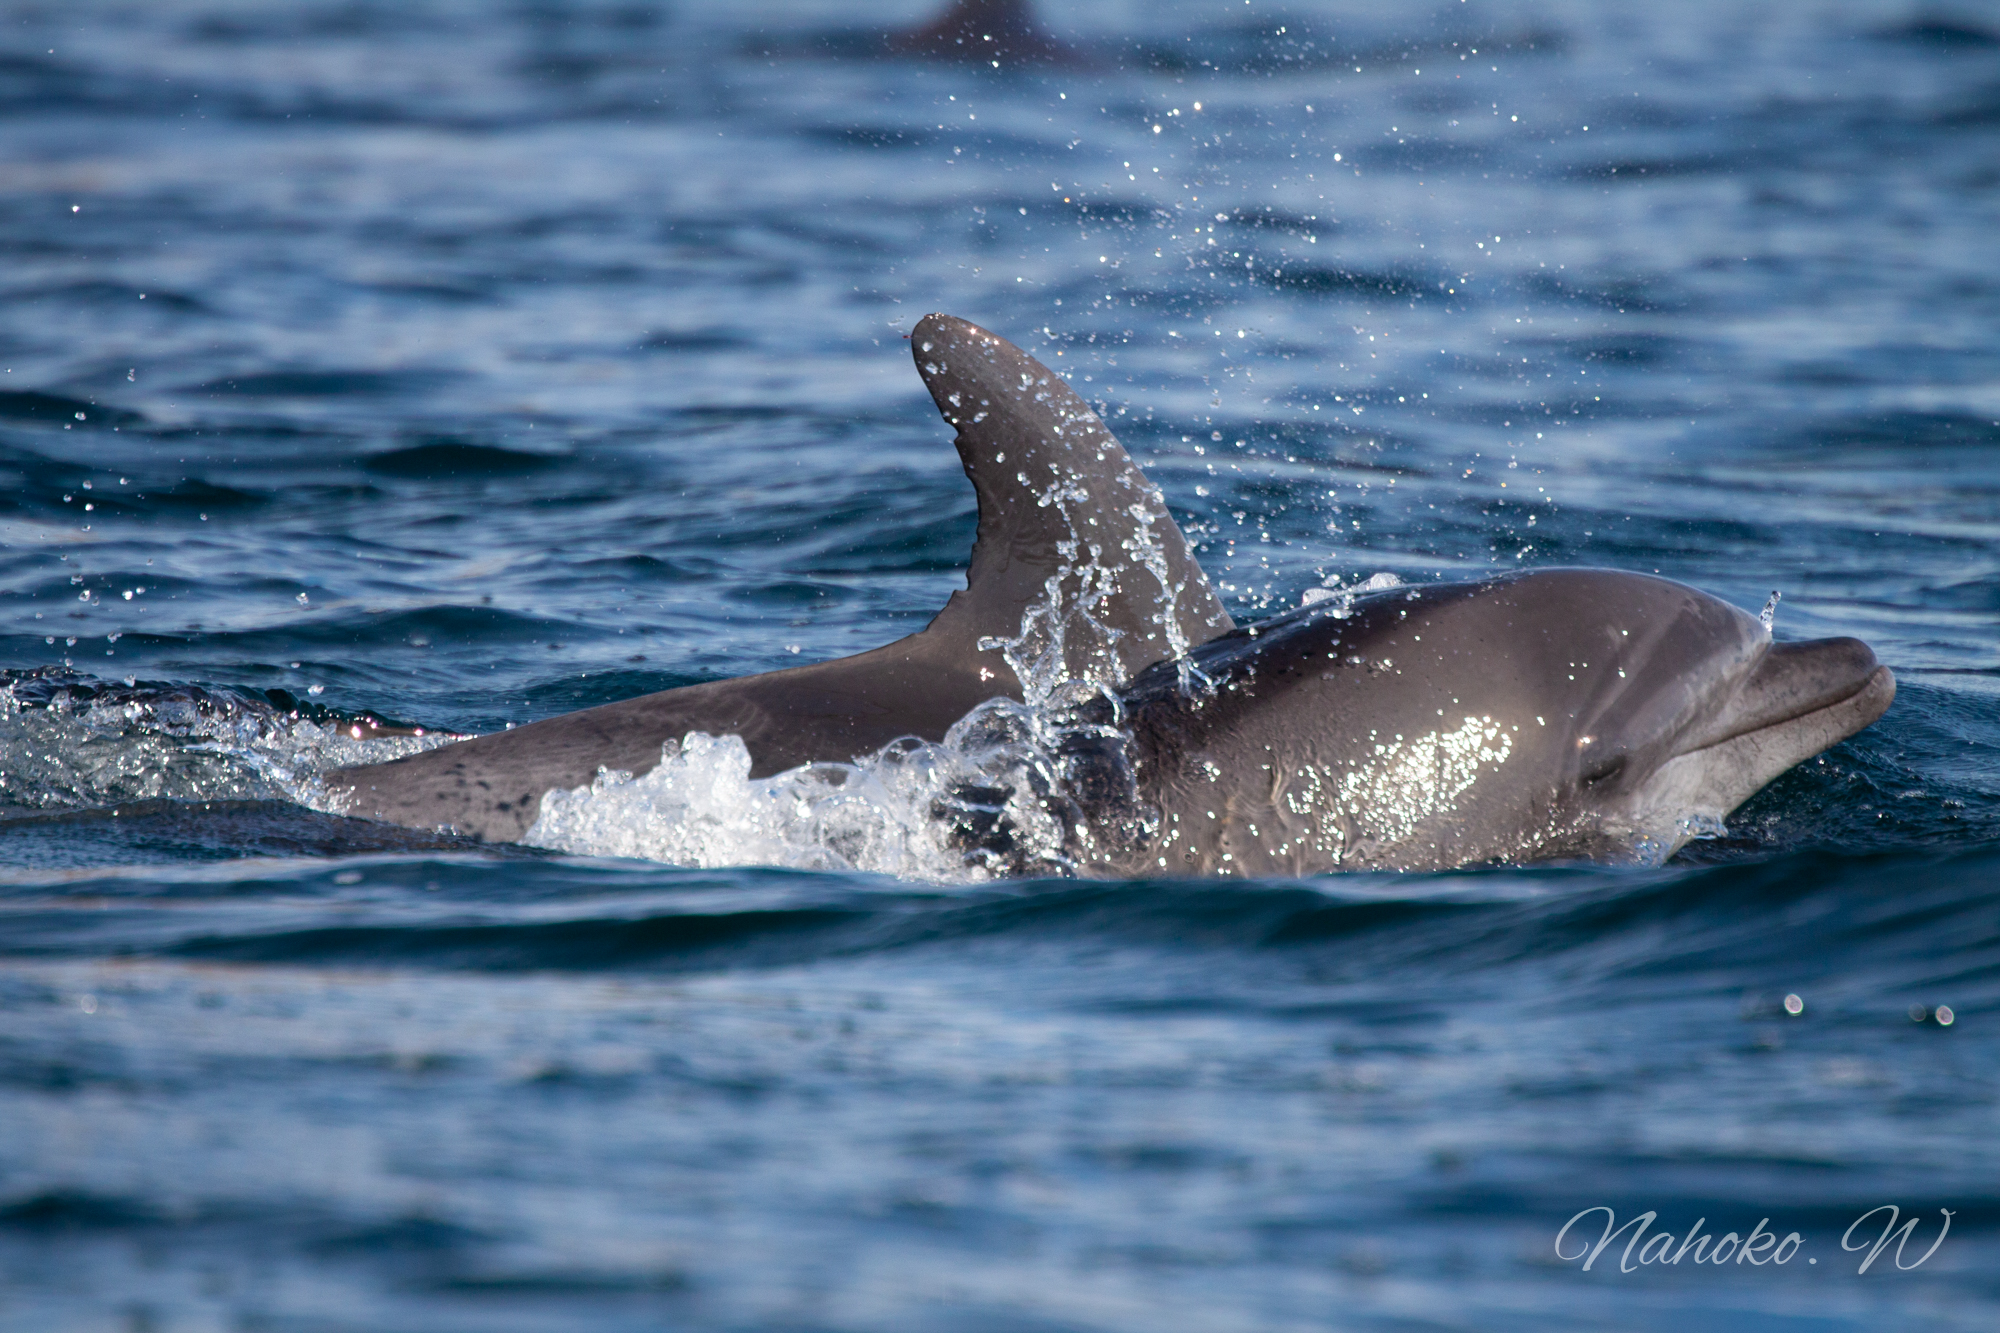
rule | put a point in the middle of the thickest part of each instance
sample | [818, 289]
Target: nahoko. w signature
[1759, 1248]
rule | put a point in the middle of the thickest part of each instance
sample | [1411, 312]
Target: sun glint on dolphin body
[1527, 716]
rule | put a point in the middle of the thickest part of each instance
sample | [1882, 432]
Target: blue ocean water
[452, 365]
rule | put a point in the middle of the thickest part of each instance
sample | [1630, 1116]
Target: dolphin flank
[1529, 716]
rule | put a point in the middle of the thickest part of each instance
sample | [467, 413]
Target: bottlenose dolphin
[1527, 716]
[1004, 35]
[982, 32]
[994, 34]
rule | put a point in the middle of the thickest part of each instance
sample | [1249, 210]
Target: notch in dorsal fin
[1063, 510]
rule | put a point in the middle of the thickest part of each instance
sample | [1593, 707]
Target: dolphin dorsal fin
[976, 31]
[1078, 561]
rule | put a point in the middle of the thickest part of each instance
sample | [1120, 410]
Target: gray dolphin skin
[1565, 713]
[1560, 713]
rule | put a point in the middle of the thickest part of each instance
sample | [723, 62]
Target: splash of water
[1039, 787]
[69, 741]
[1146, 548]
[1703, 827]
[1769, 614]
[1061, 649]
[1342, 598]
[992, 800]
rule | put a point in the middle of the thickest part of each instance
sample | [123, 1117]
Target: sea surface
[375, 368]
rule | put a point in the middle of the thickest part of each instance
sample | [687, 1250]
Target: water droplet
[1770, 611]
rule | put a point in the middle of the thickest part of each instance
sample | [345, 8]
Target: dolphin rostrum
[1521, 717]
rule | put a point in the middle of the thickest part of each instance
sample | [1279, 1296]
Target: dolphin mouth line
[1873, 691]
[1787, 682]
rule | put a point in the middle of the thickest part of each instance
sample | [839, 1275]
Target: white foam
[912, 809]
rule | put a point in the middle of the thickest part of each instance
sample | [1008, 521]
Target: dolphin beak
[1798, 700]
[1838, 679]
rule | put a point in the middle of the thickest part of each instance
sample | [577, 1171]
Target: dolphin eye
[1601, 767]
